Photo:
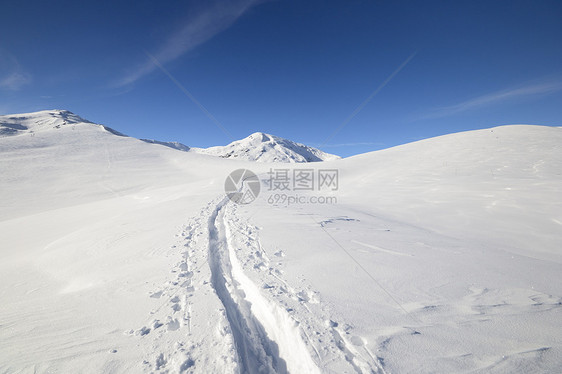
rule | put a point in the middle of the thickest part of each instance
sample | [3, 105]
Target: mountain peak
[260, 136]
[15, 124]
[264, 147]
[44, 120]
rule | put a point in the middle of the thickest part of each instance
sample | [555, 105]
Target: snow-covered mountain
[30, 123]
[439, 256]
[268, 148]
[17, 124]
[173, 145]
[256, 147]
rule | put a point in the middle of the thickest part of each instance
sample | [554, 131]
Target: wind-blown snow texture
[121, 256]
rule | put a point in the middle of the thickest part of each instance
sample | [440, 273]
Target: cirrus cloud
[497, 97]
[15, 81]
[198, 28]
[12, 76]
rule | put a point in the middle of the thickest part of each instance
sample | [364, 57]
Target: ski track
[246, 327]
[256, 353]
[266, 338]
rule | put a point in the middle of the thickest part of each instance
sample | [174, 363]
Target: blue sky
[346, 76]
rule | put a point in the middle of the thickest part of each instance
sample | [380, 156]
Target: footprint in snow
[142, 331]
[160, 362]
[172, 324]
[357, 341]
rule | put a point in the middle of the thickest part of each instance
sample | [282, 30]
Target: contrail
[190, 96]
[373, 94]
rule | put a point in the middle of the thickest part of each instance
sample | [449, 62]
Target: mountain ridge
[259, 146]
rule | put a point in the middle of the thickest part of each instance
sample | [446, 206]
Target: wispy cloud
[198, 28]
[12, 76]
[15, 81]
[496, 97]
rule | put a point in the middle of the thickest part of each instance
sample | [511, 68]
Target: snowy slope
[174, 145]
[267, 148]
[121, 256]
[256, 147]
[29, 123]
[442, 255]
[18, 124]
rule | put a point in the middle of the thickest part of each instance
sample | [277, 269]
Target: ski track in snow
[253, 328]
[268, 339]
[257, 353]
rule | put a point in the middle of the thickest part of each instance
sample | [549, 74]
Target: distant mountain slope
[174, 145]
[17, 124]
[256, 147]
[268, 148]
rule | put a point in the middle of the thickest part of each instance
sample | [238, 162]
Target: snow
[174, 145]
[117, 255]
[263, 147]
[258, 147]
